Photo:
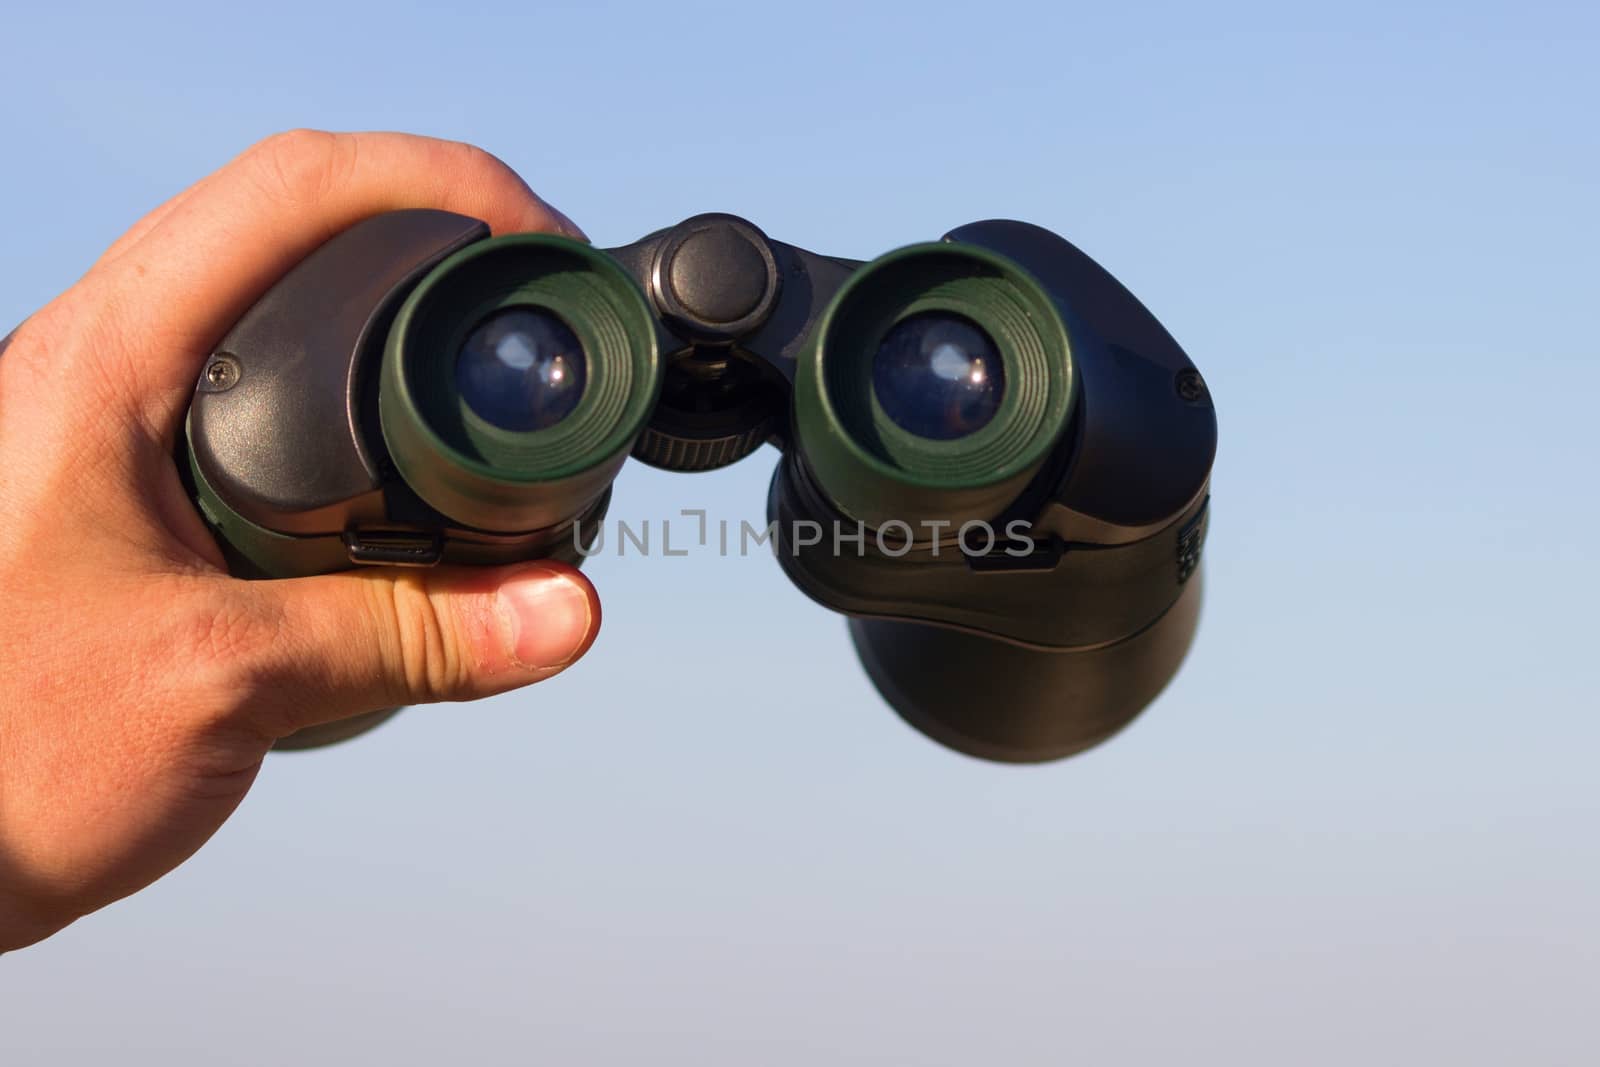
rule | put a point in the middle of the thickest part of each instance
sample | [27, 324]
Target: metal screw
[1191, 387]
[222, 373]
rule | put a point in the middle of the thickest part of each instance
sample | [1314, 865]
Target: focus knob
[715, 408]
[672, 452]
[714, 278]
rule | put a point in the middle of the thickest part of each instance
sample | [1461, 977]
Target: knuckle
[454, 157]
[468, 165]
[48, 328]
[69, 358]
[300, 166]
[424, 661]
[470, 159]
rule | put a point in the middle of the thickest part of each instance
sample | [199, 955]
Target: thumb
[375, 638]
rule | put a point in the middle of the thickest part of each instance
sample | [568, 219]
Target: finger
[182, 283]
[350, 643]
[138, 231]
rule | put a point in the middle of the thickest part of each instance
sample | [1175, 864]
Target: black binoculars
[995, 461]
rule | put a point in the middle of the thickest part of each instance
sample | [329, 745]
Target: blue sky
[1359, 827]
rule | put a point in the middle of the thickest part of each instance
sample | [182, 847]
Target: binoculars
[995, 461]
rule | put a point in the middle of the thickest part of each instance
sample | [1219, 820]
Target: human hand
[141, 684]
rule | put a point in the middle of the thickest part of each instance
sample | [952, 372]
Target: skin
[142, 685]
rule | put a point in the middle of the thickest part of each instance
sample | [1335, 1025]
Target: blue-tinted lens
[521, 369]
[938, 375]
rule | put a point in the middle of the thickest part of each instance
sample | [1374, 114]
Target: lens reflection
[938, 375]
[521, 369]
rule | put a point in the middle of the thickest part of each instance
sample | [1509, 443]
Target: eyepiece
[515, 379]
[936, 385]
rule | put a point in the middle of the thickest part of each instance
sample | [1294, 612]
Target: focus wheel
[672, 452]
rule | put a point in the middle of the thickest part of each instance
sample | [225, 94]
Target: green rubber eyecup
[487, 476]
[876, 471]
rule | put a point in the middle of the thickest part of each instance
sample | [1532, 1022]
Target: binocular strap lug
[394, 548]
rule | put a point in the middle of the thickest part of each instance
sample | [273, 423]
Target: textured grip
[664, 450]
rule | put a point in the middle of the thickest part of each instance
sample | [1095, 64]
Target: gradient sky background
[1361, 826]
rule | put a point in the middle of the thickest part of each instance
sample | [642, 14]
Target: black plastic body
[291, 471]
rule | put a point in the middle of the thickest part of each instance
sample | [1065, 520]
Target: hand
[141, 685]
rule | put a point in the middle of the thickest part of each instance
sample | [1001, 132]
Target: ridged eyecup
[877, 471]
[487, 476]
